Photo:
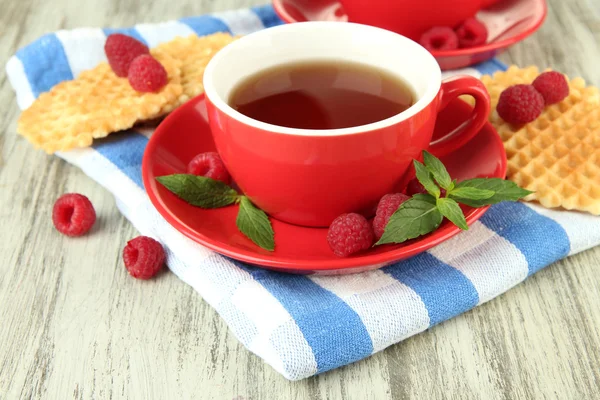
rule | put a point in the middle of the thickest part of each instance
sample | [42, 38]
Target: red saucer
[331, 10]
[185, 133]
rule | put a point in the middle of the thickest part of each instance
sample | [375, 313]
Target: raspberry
[414, 187]
[386, 207]
[121, 50]
[471, 33]
[552, 85]
[209, 165]
[349, 234]
[143, 257]
[439, 38]
[146, 74]
[73, 214]
[520, 104]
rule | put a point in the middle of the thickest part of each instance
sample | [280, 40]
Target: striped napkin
[305, 325]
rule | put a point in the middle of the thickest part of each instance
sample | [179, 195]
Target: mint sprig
[205, 192]
[415, 217]
[254, 223]
[199, 190]
[438, 170]
[423, 213]
[426, 179]
[503, 191]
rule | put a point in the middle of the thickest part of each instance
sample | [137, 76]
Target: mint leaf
[415, 217]
[435, 166]
[425, 197]
[451, 210]
[503, 191]
[426, 179]
[472, 193]
[199, 190]
[255, 224]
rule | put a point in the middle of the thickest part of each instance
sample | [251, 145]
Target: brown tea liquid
[321, 95]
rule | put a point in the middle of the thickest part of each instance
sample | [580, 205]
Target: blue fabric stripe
[126, 31]
[490, 66]
[125, 150]
[205, 24]
[332, 329]
[45, 63]
[541, 240]
[444, 290]
[267, 15]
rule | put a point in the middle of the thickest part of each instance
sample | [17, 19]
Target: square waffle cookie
[558, 155]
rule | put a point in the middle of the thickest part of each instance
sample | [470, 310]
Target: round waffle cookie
[194, 52]
[558, 155]
[93, 105]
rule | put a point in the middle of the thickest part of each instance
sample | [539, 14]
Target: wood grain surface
[73, 324]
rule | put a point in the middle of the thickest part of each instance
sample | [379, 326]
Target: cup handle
[451, 89]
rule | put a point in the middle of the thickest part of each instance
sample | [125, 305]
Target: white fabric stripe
[240, 22]
[268, 314]
[84, 48]
[489, 261]
[154, 34]
[18, 80]
[583, 229]
[390, 310]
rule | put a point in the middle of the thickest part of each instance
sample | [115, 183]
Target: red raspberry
[386, 207]
[143, 257]
[121, 50]
[146, 74]
[552, 85]
[414, 187]
[439, 38]
[520, 104]
[349, 234]
[471, 33]
[209, 165]
[73, 214]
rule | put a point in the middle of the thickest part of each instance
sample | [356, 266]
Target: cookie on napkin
[194, 52]
[95, 104]
[558, 155]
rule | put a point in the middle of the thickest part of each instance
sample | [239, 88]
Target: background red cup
[309, 177]
[411, 18]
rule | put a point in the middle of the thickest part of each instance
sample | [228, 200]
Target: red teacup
[309, 177]
[411, 17]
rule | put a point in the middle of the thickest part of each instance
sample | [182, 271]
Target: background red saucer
[185, 133]
[331, 10]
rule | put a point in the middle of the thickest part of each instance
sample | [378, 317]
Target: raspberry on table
[143, 257]
[348, 234]
[471, 33]
[553, 86]
[146, 74]
[73, 214]
[386, 207]
[520, 104]
[121, 50]
[209, 165]
[439, 38]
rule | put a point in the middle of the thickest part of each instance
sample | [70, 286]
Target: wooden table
[73, 324]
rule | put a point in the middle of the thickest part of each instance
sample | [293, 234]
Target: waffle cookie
[558, 155]
[194, 52]
[95, 104]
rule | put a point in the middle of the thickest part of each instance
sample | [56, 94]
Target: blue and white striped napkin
[305, 325]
